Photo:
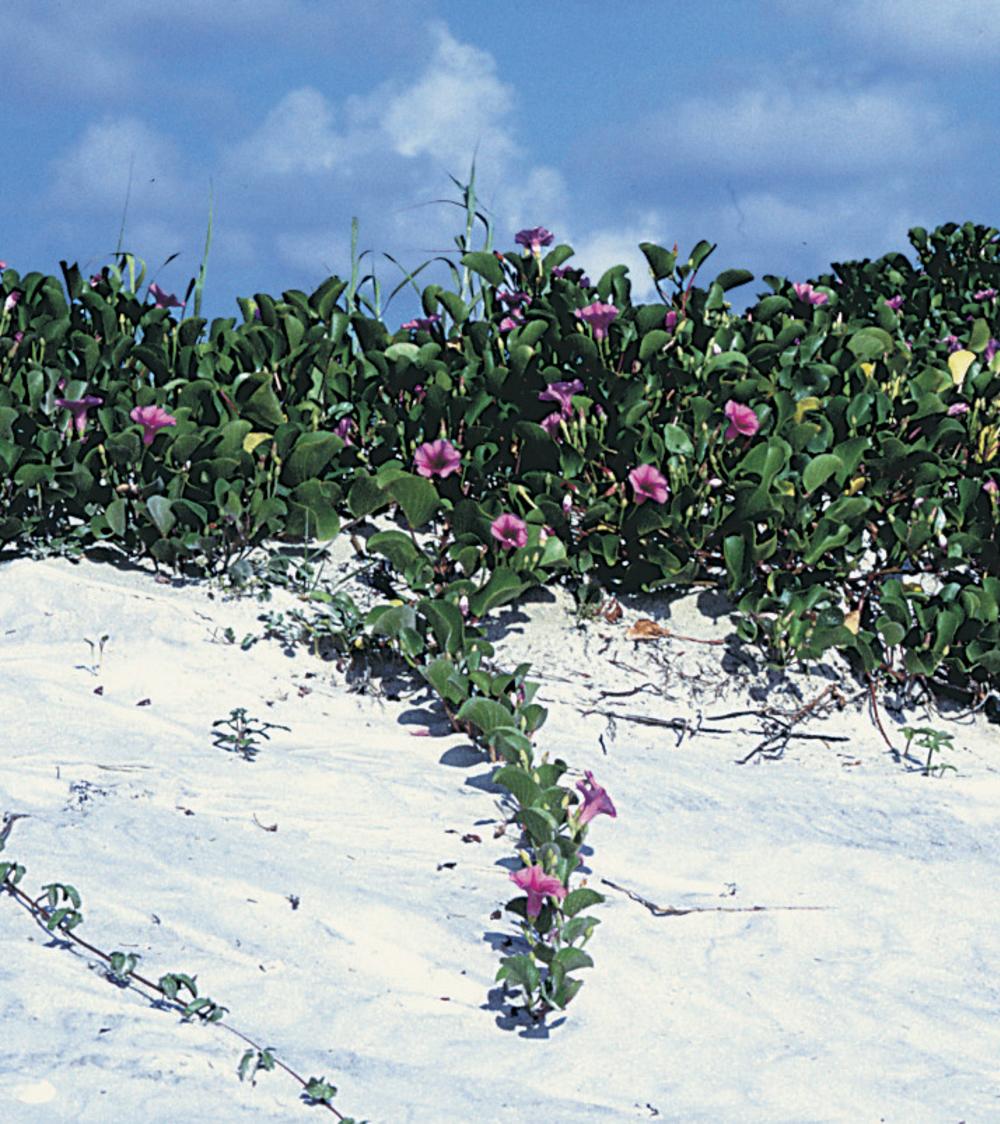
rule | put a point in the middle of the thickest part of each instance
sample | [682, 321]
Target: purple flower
[598, 316]
[343, 429]
[423, 324]
[3, 265]
[742, 420]
[805, 292]
[958, 409]
[895, 303]
[538, 886]
[437, 458]
[595, 800]
[551, 425]
[991, 349]
[991, 488]
[95, 280]
[952, 341]
[509, 530]
[670, 320]
[78, 407]
[151, 418]
[562, 392]
[984, 295]
[515, 320]
[164, 300]
[11, 300]
[564, 272]
[649, 484]
[534, 239]
[512, 298]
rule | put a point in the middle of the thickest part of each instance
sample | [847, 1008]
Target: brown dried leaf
[645, 629]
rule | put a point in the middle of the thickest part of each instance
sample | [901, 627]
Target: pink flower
[509, 530]
[423, 324]
[991, 488]
[537, 885]
[805, 292]
[551, 425]
[595, 800]
[515, 320]
[437, 458]
[958, 409]
[952, 341]
[991, 349]
[598, 316]
[670, 320]
[895, 303]
[11, 300]
[463, 605]
[164, 300]
[742, 420]
[95, 280]
[562, 392]
[3, 265]
[151, 418]
[564, 272]
[78, 407]
[649, 484]
[534, 238]
[343, 429]
[984, 295]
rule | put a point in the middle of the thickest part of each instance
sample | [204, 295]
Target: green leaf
[525, 790]
[365, 496]
[115, 515]
[311, 453]
[677, 441]
[263, 408]
[820, 469]
[733, 278]
[485, 714]
[486, 265]
[577, 900]
[503, 586]
[159, 511]
[870, 343]
[573, 958]
[416, 496]
[661, 261]
[652, 342]
[539, 824]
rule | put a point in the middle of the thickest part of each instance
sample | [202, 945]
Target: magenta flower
[152, 419]
[991, 488]
[95, 280]
[3, 265]
[895, 303]
[952, 341]
[649, 484]
[164, 300]
[670, 320]
[551, 425]
[958, 409]
[991, 349]
[343, 429]
[11, 300]
[564, 272]
[598, 316]
[742, 420]
[515, 320]
[509, 530]
[437, 458]
[78, 407]
[595, 800]
[984, 295]
[537, 885]
[424, 323]
[562, 392]
[535, 239]
[805, 292]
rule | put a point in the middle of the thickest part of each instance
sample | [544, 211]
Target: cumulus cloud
[597, 251]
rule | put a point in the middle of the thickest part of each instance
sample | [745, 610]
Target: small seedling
[243, 733]
[927, 737]
[95, 668]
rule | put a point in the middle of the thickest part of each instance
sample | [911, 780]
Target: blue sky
[791, 134]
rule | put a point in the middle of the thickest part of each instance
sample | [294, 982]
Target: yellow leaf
[805, 405]
[852, 621]
[958, 363]
[252, 440]
[868, 368]
[855, 486]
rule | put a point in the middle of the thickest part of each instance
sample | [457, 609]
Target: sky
[792, 135]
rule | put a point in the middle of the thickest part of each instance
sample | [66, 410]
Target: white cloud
[297, 136]
[934, 32]
[806, 129]
[598, 251]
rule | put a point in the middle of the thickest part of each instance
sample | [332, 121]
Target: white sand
[883, 1006]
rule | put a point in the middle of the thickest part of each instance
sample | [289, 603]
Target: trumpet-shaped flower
[437, 458]
[12, 299]
[895, 303]
[551, 425]
[984, 295]
[534, 239]
[78, 407]
[742, 420]
[598, 316]
[538, 886]
[164, 300]
[562, 392]
[649, 484]
[343, 429]
[509, 530]
[805, 292]
[423, 323]
[595, 800]
[957, 409]
[152, 419]
[670, 320]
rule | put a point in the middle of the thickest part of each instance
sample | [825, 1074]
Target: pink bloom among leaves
[895, 303]
[515, 320]
[551, 425]
[509, 530]
[562, 392]
[78, 407]
[670, 320]
[991, 488]
[957, 409]
[164, 300]
[538, 886]
[991, 349]
[423, 323]
[598, 316]
[595, 800]
[152, 419]
[742, 420]
[437, 458]
[343, 429]
[534, 239]
[805, 292]
[649, 484]
[12, 299]
[984, 295]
